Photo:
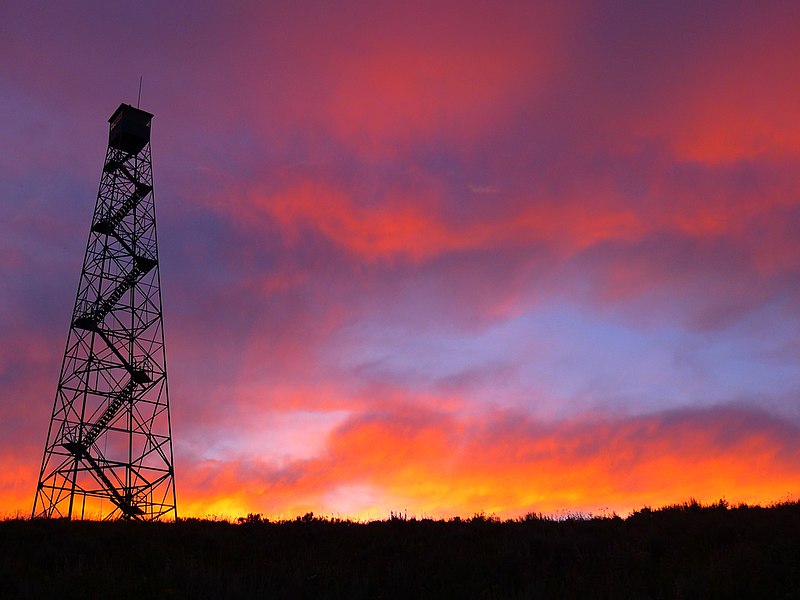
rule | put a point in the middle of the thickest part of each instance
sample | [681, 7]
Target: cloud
[703, 78]
[586, 209]
[441, 464]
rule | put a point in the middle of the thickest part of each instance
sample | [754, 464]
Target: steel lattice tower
[109, 445]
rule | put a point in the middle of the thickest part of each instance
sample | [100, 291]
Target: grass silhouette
[682, 551]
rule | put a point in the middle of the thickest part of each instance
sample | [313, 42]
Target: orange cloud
[417, 228]
[414, 228]
[18, 482]
[441, 465]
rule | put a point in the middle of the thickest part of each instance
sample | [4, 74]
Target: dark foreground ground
[687, 551]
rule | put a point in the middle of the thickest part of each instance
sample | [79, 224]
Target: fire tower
[109, 446]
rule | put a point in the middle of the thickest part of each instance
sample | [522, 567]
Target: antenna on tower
[139, 97]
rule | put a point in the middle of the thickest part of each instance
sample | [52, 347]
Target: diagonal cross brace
[91, 319]
[122, 502]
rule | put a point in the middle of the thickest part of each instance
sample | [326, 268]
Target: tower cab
[130, 129]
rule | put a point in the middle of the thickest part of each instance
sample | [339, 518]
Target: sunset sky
[434, 257]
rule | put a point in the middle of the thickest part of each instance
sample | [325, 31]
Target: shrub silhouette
[681, 551]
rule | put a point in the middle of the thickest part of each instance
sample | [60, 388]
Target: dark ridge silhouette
[680, 551]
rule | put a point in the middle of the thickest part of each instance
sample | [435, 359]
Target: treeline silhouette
[680, 551]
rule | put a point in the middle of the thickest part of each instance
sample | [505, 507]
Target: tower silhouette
[109, 445]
